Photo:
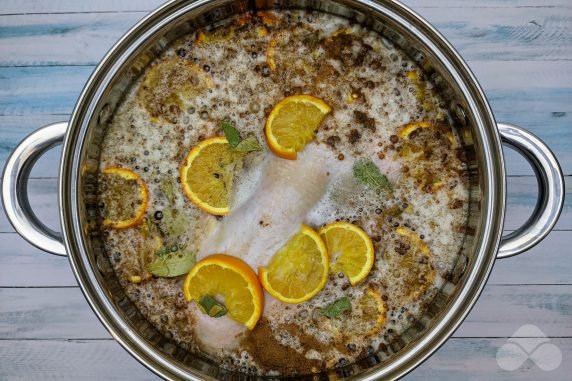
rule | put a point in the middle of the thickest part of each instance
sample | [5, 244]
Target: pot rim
[491, 166]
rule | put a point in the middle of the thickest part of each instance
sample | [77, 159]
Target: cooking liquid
[226, 75]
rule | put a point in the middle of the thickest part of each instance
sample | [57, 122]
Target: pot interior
[128, 61]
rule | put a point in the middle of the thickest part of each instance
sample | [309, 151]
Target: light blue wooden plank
[53, 90]
[530, 99]
[547, 307]
[63, 313]
[48, 313]
[74, 6]
[520, 203]
[506, 34]
[476, 359]
[13, 129]
[23, 265]
[482, 34]
[69, 360]
[81, 39]
[554, 128]
[522, 75]
[58, 6]
[37, 91]
[486, 3]
[521, 198]
[41, 90]
[547, 263]
[43, 195]
[458, 359]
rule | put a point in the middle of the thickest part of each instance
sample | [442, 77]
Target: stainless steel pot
[469, 112]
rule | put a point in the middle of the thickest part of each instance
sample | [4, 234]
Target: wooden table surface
[521, 52]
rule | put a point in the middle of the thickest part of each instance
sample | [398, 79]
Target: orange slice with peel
[350, 249]
[373, 310]
[232, 281]
[216, 36]
[419, 272]
[124, 196]
[292, 124]
[299, 270]
[413, 239]
[406, 130]
[207, 175]
[169, 85]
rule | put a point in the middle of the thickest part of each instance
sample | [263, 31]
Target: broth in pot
[282, 194]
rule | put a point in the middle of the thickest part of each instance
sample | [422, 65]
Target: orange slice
[350, 249]
[124, 196]
[292, 124]
[419, 272]
[232, 281]
[414, 240]
[373, 311]
[207, 175]
[406, 130]
[213, 37]
[299, 270]
[169, 85]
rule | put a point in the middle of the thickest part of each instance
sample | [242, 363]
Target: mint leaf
[250, 144]
[231, 134]
[369, 174]
[212, 307]
[336, 308]
[170, 264]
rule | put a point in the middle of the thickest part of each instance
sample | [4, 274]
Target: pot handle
[15, 188]
[550, 190]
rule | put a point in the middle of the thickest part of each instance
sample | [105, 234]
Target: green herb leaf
[231, 134]
[167, 188]
[171, 264]
[336, 308]
[250, 144]
[212, 307]
[175, 222]
[369, 174]
[151, 227]
[162, 251]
